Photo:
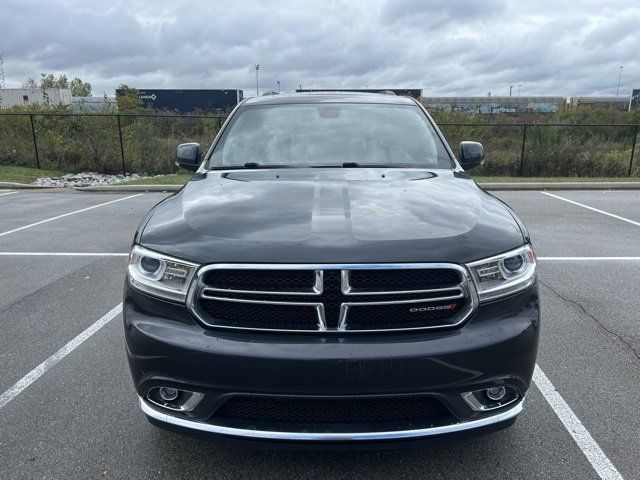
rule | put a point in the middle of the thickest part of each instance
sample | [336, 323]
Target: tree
[80, 88]
[128, 99]
[30, 83]
[48, 80]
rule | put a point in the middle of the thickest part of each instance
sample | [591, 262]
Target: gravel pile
[83, 179]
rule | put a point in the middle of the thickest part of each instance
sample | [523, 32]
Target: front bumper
[496, 347]
[458, 427]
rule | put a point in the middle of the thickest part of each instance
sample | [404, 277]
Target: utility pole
[619, 77]
[257, 84]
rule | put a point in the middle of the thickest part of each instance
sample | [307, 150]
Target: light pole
[278, 85]
[510, 89]
[257, 87]
[519, 85]
[619, 77]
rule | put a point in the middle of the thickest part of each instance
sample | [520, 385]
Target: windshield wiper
[377, 165]
[252, 165]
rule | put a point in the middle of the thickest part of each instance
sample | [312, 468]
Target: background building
[609, 103]
[495, 105]
[13, 97]
[92, 104]
[407, 92]
[188, 101]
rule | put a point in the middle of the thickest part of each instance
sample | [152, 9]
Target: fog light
[174, 399]
[170, 394]
[496, 393]
[491, 398]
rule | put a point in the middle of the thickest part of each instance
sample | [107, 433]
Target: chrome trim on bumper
[328, 437]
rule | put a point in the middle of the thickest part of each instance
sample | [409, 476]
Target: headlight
[504, 274]
[159, 274]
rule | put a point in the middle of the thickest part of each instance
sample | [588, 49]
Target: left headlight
[160, 275]
[504, 274]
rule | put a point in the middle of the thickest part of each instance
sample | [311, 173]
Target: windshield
[316, 135]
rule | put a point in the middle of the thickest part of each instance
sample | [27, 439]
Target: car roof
[330, 97]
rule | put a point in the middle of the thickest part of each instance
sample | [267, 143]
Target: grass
[554, 179]
[178, 179]
[25, 174]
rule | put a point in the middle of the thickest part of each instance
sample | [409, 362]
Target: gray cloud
[468, 47]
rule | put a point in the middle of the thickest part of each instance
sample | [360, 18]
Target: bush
[84, 142]
[75, 143]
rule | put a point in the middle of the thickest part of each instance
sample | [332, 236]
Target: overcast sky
[469, 47]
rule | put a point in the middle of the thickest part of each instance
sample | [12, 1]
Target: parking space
[68, 408]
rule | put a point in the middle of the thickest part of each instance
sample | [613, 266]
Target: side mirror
[188, 156]
[471, 155]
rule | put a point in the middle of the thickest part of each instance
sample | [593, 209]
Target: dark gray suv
[331, 275]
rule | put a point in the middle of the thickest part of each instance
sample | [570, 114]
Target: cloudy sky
[467, 47]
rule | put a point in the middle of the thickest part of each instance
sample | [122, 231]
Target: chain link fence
[551, 150]
[104, 143]
[142, 143]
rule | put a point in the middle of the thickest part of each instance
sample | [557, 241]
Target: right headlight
[160, 275]
[504, 274]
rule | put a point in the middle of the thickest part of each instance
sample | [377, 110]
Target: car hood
[331, 216]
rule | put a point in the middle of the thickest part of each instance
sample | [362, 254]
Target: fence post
[35, 143]
[633, 149]
[124, 169]
[524, 139]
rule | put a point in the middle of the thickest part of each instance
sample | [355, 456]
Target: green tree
[128, 99]
[48, 80]
[80, 88]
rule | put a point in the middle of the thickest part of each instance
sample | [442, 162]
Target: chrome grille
[341, 298]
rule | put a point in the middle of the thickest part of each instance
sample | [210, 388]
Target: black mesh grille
[403, 315]
[299, 317]
[265, 280]
[260, 315]
[333, 410]
[403, 279]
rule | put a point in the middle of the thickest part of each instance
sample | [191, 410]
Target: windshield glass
[315, 135]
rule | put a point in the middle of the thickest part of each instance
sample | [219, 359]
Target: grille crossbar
[341, 298]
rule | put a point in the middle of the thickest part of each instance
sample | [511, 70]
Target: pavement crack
[598, 322]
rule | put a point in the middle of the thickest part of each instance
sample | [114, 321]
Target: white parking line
[54, 359]
[66, 215]
[590, 448]
[633, 222]
[6, 193]
[62, 254]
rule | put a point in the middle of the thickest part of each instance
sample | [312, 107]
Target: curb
[562, 186]
[496, 186]
[23, 186]
[130, 188]
[486, 186]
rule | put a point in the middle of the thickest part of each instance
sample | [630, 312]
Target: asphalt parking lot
[68, 408]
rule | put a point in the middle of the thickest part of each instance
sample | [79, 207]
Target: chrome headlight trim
[493, 280]
[170, 281]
